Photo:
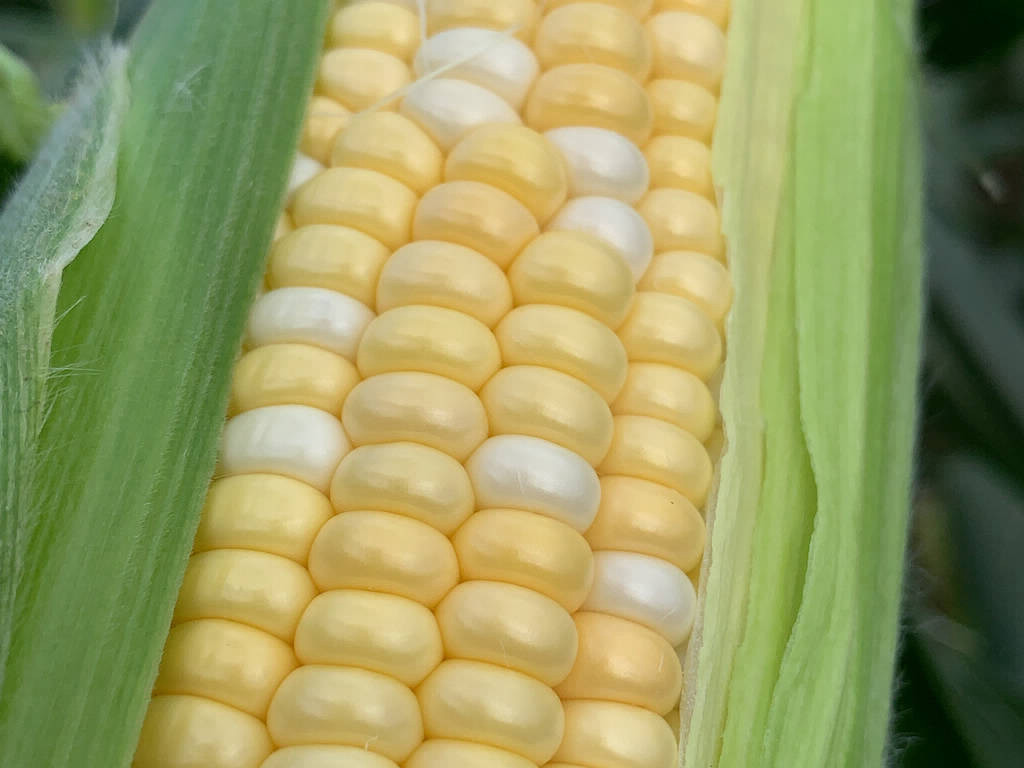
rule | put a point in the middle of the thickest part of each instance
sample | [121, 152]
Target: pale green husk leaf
[817, 158]
[109, 440]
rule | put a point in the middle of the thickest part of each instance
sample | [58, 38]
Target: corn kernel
[620, 660]
[648, 518]
[392, 144]
[384, 552]
[255, 588]
[601, 162]
[639, 9]
[526, 549]
[516, 160]
[433, 340]
[544, 403]
[590, 94]
[681, 220]
[612, 221]
[670, 394]
[447, 109]
[340, 259]
[577, 270]
[668, 329]
[679, 162]
[407, 479]
[382, 633]
[359, 78]
[644, 589]
[366, 200]
[445, 275]
[682, 108]
[687, 46]
[378, 25]
[486, 704]
[190, 731]
[566, 340]
[581, 33]
[278, 374]
[265, 513]
[324, 120]
[326, 756]
[446, 753]
[416, 407]
[605, 734]
[517, 15]
[484, 57]
[531, 474]
[716, 10]
[225, 661]
[655, 450]
[477, 216]
[347, 706]
[695, 276]
[510, 626]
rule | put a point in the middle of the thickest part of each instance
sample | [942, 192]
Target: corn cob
[457, 499]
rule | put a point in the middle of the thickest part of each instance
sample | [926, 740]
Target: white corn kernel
[315, 316]
[448, 109]
[602, 162]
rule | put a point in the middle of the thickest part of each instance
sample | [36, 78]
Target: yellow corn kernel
[340, 259]
[681, 220]
[255, 588]
[577, 270]
[529, 550]
[381, 26]
[446, 753]
[508, 625]
[544, 403]
[348, 706]
[359, 78]
[445, 275]
[383, 633]
[472, 701]
[430, 339]
[682, 108]
[636, 8]
[620, 660]
[640, 516]
[416, 407]
[605, 734]
[355, 197]
[655, 450]
[384, 552]
[692, 275]
[291, 373]
[594, 33]
[516, 160]
[191, 731]
[407, 479]
[668, 329]
[477, 216]
[324, 756]
[716, 10]
[225, 661]
[679, 162]
[516, 15]
[670, 394]
[392, 144]
[688, 47]
[265, 513]
[590, 94]
[566, 340]
[324, 120]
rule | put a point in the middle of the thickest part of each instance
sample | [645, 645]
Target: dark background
[960, 677]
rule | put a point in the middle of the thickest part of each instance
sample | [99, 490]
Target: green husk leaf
[817, 156]
[151, 316]
[41, 230]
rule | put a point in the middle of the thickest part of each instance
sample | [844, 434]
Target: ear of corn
[455, 519]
